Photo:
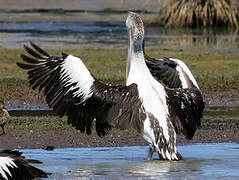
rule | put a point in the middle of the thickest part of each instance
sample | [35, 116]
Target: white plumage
[184, 73]
[5, 164]
[70, 73]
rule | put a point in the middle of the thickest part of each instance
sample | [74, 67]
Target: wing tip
[38, 49]
[21, 65]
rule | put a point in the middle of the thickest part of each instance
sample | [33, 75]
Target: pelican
[15, 166]
[144, 104]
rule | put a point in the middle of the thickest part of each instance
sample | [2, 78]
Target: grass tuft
[198, 13]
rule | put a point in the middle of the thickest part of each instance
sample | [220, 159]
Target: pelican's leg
[151, 151]
[179, 156]
[3, 130]
[160, 156]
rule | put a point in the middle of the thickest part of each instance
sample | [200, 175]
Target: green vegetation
[198, 13]
[214, 71]
[214, 118]
[48, 120]
[221, 118]
[38, 122]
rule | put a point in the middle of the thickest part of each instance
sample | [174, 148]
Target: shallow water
[103, 30]
[202, 161]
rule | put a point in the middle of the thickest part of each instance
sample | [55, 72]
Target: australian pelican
[156, 112]
[15, 166]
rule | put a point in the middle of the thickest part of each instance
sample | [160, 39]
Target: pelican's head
[135, 28]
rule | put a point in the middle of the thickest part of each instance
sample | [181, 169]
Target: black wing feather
[117, 106]
[33, 53]
[164, 70]
[186, 107]
[29, 60]
[25, 66]
[41, 51]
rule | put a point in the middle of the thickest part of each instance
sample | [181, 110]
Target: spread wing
[172, 72]
[70, 89]
[15, 166]
[164, 70]
[186, 109]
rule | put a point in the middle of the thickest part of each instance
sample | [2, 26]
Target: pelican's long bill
[129, 58]
[128, 64]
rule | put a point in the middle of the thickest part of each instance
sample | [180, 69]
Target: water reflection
[209, 161]
[106, 31]
[185, 38]
[149, 169]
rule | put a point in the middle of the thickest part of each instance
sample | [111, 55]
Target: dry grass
[198, 13]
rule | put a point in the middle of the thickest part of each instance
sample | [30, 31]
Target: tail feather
[178, 157]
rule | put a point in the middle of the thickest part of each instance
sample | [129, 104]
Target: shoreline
[42, 139]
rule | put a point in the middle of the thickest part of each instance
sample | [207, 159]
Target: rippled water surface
[202, 161]
[103, 30]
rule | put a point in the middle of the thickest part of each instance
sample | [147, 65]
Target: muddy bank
[34, 131]
[72, 138]
[230, 98]
[211, 99]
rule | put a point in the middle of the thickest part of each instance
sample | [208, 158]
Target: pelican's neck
[135, 53]
[136, 69]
